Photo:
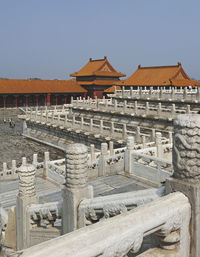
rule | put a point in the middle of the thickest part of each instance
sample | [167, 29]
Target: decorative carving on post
[76, 188]
[26, 179]
[26, 196]
[76, 166]
[186, 150]
[186, 163]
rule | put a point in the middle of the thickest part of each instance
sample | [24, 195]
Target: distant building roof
[112, 89]
[159, 76]
[100, 67]
[22, 86]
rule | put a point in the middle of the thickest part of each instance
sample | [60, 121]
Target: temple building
[97, 76]
[92, 80]
[160, 76]
[21, 92]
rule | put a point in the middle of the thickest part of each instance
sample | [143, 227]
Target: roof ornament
[139, 66]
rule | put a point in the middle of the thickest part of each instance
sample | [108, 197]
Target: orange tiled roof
[98, 82]
[154, 76]
[111, 89]
[185, 82]
[22, 86]
[100, 67]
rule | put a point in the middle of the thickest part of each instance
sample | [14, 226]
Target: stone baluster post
[72, 100]
[135, 108]
[188, 109]
[46, 166]
[115, 105]
[35, 159]
[151, 92]
[13, 167]
[115, 90]
[102, 163]
[140, 92]
[153, 135]
[82, 123]
[124, 131]
[31, 112]
[159, 145]
[127, 157]
[52, 117]
[26, 196]
[131, 92]
[91, 125]
[186, 175]
[144, 144]
[170, 135]
[46, 118]
[65, 122]
[24, 129]
[173, 93]
[159, 111]
[123, 92]
[147, 108]
[5, 168]
[111, 148]
[185, 93]
[124, 106]
[76, 187]
[92, 153]
[112, 128]
[137, 134]
[106, 103]
[161, 93]
[173, 111]
[101, 126]
[73, 121]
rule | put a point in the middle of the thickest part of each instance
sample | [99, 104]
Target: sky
[49, 39]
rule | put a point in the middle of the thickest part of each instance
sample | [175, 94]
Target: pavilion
[97, 76]
[155, 76]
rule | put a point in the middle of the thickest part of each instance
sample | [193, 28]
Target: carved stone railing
[177, 94]
[151, 168]
[44, 215]
[156, 110]
[97, 209]
[169, 217]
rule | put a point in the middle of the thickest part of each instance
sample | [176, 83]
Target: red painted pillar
[26, 100]
[4, 101]
[56, 100]
[48, 99]
[65, 99]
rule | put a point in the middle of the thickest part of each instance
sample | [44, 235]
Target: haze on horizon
[50, 39]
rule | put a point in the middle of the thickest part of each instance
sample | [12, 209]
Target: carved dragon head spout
[186, 147]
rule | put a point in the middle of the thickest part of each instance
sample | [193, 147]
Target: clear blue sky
[53, 38]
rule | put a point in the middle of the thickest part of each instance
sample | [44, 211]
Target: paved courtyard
[13, 146]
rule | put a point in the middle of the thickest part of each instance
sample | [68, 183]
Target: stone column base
[71, 201]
